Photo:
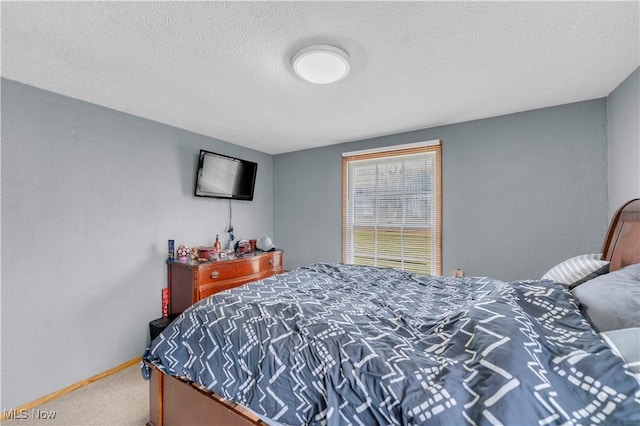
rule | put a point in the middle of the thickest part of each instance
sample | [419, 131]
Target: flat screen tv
[221, 176]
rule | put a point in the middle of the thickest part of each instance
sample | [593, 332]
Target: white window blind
[391, 208]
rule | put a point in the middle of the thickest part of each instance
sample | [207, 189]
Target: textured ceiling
[222, 69]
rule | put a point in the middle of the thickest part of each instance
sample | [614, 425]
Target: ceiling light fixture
[321, 63]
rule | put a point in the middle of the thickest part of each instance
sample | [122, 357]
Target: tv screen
[221, 176]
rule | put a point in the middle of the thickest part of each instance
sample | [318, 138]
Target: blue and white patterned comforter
[338, 344]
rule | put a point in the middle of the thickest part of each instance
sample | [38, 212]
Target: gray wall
[521, 192]
[90, 197]
[623, 113]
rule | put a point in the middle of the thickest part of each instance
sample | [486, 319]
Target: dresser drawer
[272, 262]
[226, 274]
[239, 269]
[190, 283]
[219, 271]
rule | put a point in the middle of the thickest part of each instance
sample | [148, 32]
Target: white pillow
[626, 344]
[573, 272]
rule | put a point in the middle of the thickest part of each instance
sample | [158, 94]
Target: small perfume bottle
[171, 253]
[217, 247]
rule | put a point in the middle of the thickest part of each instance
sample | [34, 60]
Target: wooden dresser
[190, 282]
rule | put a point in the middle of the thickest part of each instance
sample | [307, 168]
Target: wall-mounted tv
[221, 176]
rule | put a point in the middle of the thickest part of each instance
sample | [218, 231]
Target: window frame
[435, 147]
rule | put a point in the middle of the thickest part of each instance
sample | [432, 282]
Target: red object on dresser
[206, 252]
[165, 302]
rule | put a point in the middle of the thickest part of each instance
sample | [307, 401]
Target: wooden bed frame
[174, 401]
[622, 244]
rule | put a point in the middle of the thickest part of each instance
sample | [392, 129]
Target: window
[391, 207]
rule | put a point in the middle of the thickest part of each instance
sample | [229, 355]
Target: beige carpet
[119, 399]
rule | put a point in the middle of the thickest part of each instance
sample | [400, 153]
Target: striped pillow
[573, 272]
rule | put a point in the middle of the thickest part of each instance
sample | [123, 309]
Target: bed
[341, 344]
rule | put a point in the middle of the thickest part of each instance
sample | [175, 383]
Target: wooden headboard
[622, 245]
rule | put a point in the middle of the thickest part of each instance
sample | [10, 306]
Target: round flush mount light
[321, 63]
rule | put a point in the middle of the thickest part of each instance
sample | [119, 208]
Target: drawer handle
[215, 274]
[271, 262]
